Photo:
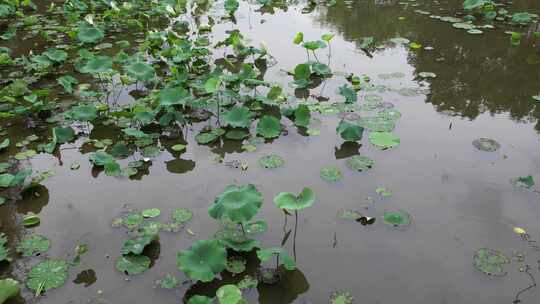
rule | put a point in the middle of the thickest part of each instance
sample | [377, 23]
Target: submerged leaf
[490, 261]
[271, 161]
[331, 174]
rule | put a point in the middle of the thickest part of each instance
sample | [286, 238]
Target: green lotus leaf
[48, 274]
[181, 215]
[298, 38]
[360, 163]
[6, 180]
[129, 220]
[384, 140]
[229, 294]
[173, 96]
[25, 154]
[150, 228]
[89, 34]
[84, 112]
[206, 137]
[490, 261]
[238, 117]
[200, 300]
[486, 144]
[284, 257]
[321, 69]
[302, 116]
[101, 158]
[33, 244]
[245, 246]
[168, 282]
[4, 252]
[302, 74]
[237, 204]
[97, 64]
[236, 265]
[203, 261]
[376, 124]
[349, 131]
[341, 297]
[397, 218]
[314, 45]
[331, 174]
[473, 4]
[132, 264]
[63, 135]
[348, 214]
[137, 244]
[212, 84]
[269, 127]
[141, 71]
[271, 161]
[179, 147]
[152, 212]
[289, 201]
[56, 55]
[259, 226]
[248, 282]
[9, 288]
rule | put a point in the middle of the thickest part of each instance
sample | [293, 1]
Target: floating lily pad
[130, 220]
[48, 274]
[136, 245]
[203, 261]
[236, 265]
[149, 213]
[360, 163]
[397, 218]
[490, 261]
[132, 264]
[341, 297]
[349, 131]
[389, 114]
[486, 144]
[181, 215]
[206, 137]
[229, 294]
[168, 282]
[271, 161]
[331, 174]
[384, 140]
[377, 124]
[238, 117]
[348, 214]
[33, 244]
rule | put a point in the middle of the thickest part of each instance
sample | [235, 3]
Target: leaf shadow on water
[292, 284]
[347, 149]
[33, 200]
[180, 166]
[86, 277]
[227, 146]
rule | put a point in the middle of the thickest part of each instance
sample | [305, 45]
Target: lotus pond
[269, 151]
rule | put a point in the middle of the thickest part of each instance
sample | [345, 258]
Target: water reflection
[475, 74]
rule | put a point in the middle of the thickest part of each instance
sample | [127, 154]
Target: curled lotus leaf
[48, 274]
[524, 181]
[33, 244]
[384, 140]
[269, 127]
[271, 161]
[150, 213]
[397, 218]
[132, 264]
[290, 201]
[360, 163]
[331, 174]
[203, 261]
[490, 261]
[341, 297]
[238, 117]
[486, 144]
[237, 204]
[200, 300]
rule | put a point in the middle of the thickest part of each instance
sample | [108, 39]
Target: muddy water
[460, 199]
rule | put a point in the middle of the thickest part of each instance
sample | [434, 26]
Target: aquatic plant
[203, 261]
